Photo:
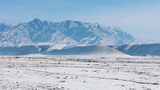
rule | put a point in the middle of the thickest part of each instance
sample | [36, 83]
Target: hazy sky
[138, 17]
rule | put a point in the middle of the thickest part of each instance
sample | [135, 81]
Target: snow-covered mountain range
[62, 34]
[69, 37]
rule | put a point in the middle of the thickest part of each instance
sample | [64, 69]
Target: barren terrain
[69, 74]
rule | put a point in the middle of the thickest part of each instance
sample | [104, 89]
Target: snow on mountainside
[62, 34]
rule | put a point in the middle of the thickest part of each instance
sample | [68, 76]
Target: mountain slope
[45, 50]
[4, 27]
[61, 35]
[85, 50]
[141, 49]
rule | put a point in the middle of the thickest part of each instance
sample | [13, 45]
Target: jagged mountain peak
[39, 31]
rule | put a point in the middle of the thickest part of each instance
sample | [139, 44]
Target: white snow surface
[52, 73]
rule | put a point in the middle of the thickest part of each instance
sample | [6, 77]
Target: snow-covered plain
[35, 73]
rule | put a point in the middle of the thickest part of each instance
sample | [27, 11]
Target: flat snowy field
[71, 74]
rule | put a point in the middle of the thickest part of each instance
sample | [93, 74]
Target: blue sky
[138, 17]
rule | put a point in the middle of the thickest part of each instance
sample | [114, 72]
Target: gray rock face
[62, 34]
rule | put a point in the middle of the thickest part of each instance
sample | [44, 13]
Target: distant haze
[141, 18]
